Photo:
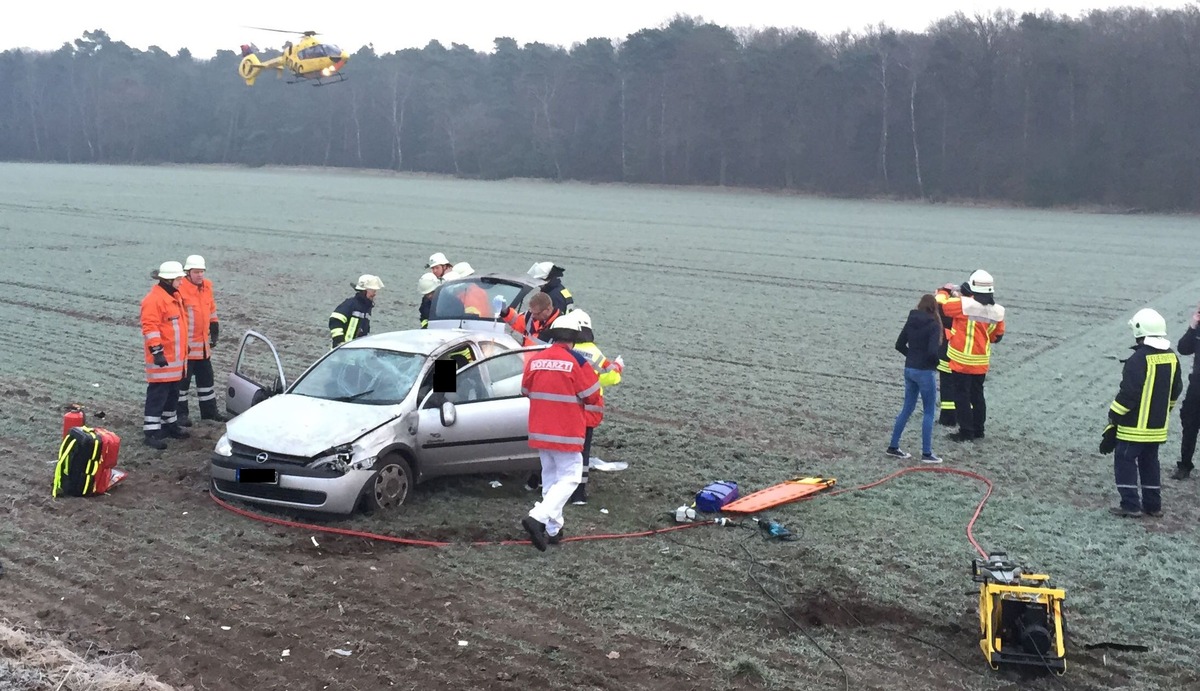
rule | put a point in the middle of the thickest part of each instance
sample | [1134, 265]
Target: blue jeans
[924, 382]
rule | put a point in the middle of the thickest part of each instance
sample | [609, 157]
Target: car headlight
[363, 464]
[224, 448]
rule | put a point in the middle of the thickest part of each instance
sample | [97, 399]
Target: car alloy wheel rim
[391, 487]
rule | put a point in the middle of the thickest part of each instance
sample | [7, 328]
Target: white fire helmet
[981, 282]
[194, 262]
[540, 271]
[437, 259]
[461, 270]
[1147, 322]
[169, 271]
[368, 282]
[584, 319]
[428, 283]
[567, 321]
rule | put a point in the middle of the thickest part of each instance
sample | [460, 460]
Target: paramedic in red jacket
[564, 395]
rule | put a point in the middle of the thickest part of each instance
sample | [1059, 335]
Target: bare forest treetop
[1035, 109]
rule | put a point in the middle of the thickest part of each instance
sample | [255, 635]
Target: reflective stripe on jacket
[559, 295]
[1150, 385]
[969, 346]
[423, 310]
[164, 323]
[351, 319]
[562, 389]
[941, 296]
[201, 310]
[607, 373]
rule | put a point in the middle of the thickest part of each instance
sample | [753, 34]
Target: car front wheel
[388, 489]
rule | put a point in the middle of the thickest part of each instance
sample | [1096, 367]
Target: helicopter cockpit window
[312, 52]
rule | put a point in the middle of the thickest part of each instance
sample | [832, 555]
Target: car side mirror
[448, 414]
[276, 387]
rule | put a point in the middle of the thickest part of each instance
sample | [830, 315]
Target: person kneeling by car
[563, 392]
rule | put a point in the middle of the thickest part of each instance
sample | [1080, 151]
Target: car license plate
[268, 476]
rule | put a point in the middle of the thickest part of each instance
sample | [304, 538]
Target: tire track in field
[755, 278]
[56, 290]
[76, 314]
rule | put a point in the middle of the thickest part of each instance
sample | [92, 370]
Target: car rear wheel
[388, 489]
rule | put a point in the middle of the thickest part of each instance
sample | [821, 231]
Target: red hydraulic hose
[433, 543]
[613, 536]
[926, 469]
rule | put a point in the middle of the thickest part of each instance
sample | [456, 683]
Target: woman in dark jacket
[920, 341]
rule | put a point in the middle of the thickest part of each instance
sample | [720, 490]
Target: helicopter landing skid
[320, 81]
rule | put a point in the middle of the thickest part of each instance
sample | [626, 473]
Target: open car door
[483, 425]
[257, 374]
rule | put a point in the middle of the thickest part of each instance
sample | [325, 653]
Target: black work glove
[214, 331]
[1108, 441]
[504, 312]
[159, 358]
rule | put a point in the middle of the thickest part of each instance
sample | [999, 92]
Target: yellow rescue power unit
[1020, 615]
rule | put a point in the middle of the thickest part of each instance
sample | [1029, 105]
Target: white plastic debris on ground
[595, 463]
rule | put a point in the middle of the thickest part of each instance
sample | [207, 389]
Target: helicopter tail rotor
[249, 68]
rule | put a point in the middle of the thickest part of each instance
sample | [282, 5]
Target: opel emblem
[262, 457]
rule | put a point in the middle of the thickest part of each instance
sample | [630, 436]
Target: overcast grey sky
[209, 25]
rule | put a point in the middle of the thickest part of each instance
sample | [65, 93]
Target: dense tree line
[1036, 109]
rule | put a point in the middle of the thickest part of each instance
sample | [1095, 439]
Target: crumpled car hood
[304, 426]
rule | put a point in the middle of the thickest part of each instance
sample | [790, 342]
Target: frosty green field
[758, 335]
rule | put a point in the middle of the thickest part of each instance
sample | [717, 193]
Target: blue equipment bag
[712, 498]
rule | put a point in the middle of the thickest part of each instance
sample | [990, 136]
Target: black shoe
[175, 432]
[154, 441]
[1154, 514]
[1124, 512]
[183, 421]
[555, 539]
[962, 436]
[533, 482]
[537, 532]
[1181, 473]
[579, 496]
[217, 416]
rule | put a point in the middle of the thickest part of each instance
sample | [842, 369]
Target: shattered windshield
[369, 376]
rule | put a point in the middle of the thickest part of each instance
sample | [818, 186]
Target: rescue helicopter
[308, 60]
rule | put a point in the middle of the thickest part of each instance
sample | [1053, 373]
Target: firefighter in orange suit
[201, 310]
[474, 299]
[164, 343]
[945, 376]
[978, 323]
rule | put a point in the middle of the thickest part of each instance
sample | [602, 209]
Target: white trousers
[562, 471]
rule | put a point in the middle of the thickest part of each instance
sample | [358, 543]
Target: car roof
[421, 341]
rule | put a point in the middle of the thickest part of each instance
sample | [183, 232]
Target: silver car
[449, 310]
[364, 423]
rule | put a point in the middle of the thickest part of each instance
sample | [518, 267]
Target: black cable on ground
[951, 655]
[750, 573]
